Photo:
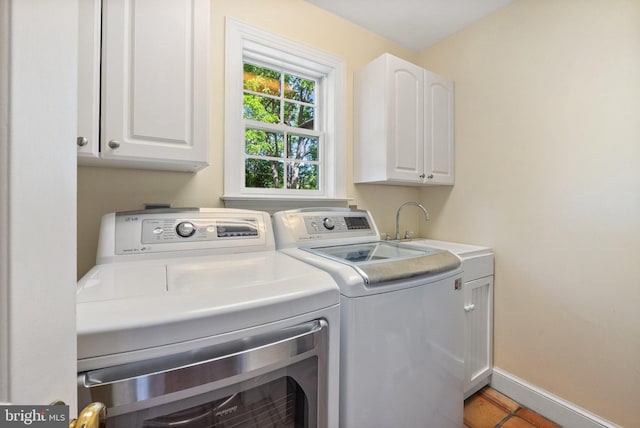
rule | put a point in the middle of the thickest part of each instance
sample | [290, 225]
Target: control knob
[185, 229]
[328, 223]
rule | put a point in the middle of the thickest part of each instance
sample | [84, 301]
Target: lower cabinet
[478, 333]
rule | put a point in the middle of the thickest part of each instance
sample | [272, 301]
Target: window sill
[273, 204]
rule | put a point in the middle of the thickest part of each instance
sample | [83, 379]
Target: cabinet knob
[422, 176]
[113, 144]
[430, 176]
[469, 308]
[82, 141]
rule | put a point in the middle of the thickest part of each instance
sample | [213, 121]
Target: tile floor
[490, 409]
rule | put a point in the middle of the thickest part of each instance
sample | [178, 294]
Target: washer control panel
[318, 226]
[335, 224]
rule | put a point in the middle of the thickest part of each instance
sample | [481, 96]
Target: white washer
[191, 318]
[401, 362]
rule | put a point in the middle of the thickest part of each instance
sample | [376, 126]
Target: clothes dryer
[192, 319]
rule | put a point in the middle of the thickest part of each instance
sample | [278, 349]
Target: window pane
[302, 175]
[298, 115]
[260, 173]
[299, 89]
[263, 143]
[263, 109]
[302, 147]
[260, 79]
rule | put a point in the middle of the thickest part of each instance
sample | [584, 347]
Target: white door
[406, 120]
[38, 80]
[154, 84]
[89, 29]
[438, 129]
[478, 298]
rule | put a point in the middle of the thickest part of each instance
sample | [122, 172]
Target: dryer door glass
[277, 404]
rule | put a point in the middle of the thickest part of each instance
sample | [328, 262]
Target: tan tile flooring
[490, 409]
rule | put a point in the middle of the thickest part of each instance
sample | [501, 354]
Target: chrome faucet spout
[424, 210]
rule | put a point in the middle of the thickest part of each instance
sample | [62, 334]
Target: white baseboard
[551, 406]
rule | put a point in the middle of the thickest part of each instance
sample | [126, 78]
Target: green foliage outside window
[281, 155]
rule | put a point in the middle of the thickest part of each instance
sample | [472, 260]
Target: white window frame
[244, 42]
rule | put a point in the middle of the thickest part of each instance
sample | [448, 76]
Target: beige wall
[548, 173]
[103, 190]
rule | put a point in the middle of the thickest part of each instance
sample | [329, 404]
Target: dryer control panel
[157, 230]
[323, 226]
[171, 232]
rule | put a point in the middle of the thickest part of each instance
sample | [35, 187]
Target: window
[284, 118]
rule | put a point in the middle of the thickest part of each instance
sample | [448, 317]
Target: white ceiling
[415, 24]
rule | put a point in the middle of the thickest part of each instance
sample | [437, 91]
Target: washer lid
[129, 306]
[379, 262]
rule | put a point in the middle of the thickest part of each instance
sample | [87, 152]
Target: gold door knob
[92, 416]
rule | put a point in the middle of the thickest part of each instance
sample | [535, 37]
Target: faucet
[424, 210]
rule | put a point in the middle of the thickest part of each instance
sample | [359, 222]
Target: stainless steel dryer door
[278, 378]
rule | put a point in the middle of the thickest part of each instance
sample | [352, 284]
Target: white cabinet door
[439, 141]
[154, 84]
[478, 336]
[405, 133]
[389, 122]
[89, 12]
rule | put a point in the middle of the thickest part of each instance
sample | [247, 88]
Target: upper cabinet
[143, 94]
[403, 124]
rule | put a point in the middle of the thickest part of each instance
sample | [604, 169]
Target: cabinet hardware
[82, 141]
[114, 144]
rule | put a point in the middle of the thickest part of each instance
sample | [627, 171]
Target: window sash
[318, 106]
[286, 130]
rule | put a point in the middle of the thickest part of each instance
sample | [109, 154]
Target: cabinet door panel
[439, 141]
[406, 89]
[154, 85]
[160, 75]
[88, 78]
[478, 308]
